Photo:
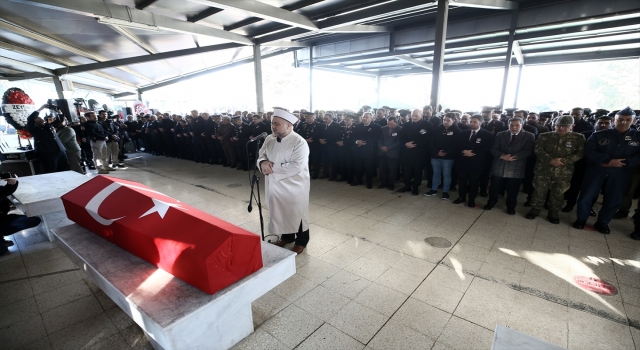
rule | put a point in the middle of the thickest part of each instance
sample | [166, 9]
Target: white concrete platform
[172, 313]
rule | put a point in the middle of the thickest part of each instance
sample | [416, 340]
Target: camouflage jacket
[550, 145]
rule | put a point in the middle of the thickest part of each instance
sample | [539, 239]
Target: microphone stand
[255, 189]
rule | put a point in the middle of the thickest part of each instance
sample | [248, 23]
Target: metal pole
[58, 84]
[438, 51]
[509, 56]
[257, 70]
[139, 95]
[311, 79]
[515, 100]
[378, 92]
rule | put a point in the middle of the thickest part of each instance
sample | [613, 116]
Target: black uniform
[365, 155]
[312, 133]
[47, 146]
[413, 159]
[470, 169]
[243, 131]
[347, 166]
[329, 150]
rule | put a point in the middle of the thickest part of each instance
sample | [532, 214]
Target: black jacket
[369, 134]
[46, 139]
[331, 133]
[5, 203]
[444, 140]
[94, 131]
[419, 133]
[480, 144]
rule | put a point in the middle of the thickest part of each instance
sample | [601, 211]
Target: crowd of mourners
[559, 160]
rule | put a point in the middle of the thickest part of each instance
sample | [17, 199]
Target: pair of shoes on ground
[445, 195]
[552, 215]
[296, 249]
[470, 204]
[600, 226]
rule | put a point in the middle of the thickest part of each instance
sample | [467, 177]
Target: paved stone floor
[367, 279]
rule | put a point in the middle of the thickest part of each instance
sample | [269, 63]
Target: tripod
[254, 181]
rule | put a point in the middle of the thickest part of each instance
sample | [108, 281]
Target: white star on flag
[160, 207]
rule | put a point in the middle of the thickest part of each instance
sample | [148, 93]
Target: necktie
[473, 134]
[513, 137]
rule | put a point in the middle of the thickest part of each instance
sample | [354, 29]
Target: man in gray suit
[389, 153]
[510, 151]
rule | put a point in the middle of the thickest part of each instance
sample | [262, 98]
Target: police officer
[329, 133]
[312, 133]
[241, 137]
[345, 149]
[366, 135]
[556, 152]
[611, 155]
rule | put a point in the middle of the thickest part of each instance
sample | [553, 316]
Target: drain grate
[437, 242]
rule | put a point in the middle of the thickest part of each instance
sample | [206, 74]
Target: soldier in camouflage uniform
[557, 152]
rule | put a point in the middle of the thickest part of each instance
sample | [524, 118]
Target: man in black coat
[12, 223]
[442, 148]
[581, 125]
[48, 147]
[197, 140]
[414, 137]
[329, 134]
[312, 133]
[345, 150]
[474, 145]
[243, 131]
[366, 135]
[389, 148]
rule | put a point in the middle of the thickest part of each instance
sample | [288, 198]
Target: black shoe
[511, 211]
[593, 213]
[532, 214]
[527, 204]
[355, 183]
[414, 193]
[91, 167]
[471, 204]
[621, 215]
[459, 200]
[382, 186]
[567, 208]
[579, 224]
[403, 190]
[635, 235]
[445, 195]
[369, 186]
[487, 207]
[431, 193]
[483, 194]
[602, 228]
[553, 218]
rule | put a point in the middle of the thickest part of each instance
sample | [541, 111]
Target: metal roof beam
[49, 58]
[262, 10]
[146, 58]
[111, 11]
[141, 5]
[211, 70]
[288, 44]
[123, 94]
[358, 28]
[517, 51]
[23, 66]
[347, 71]
[486, 4]
[204, 14]
[252, 20]
[415, 62]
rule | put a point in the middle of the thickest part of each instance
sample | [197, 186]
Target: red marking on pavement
[588, 227]
[595, 285]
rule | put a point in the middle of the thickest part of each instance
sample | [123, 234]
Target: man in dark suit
[474, 145]
[389, 153]
[581, 125]
[47, 145]
[415, 136]
[492, 126]
[510, 151]
[366, 135]
[329, 133]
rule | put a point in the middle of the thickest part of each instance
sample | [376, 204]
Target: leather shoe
[414, 193]
[8, 243]
[403, 190]
[369, 186]
[340, 179]
[298, 249]
[459, 200]
[635, 235]
[355, 183]
[281, 243]
[620, 215]
[593, 213]
[471, 204]
[527, 204]
[483, 194]
[487, 207]
[533, 213]
[553, 218]
[511, 211]
[602, 228]
[567, 208]
[579, 224]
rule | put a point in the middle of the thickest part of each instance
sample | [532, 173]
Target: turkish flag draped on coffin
[194, 246]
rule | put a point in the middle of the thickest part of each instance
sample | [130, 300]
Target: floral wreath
[16, 108]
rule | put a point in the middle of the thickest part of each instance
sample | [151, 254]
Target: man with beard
[366, 136]
[427, 114]
[581, 125]
[533, 119]
[474, 144]
[414, 137]
[240, 139]
[197, 138]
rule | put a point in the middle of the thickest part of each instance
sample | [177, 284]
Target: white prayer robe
[287, 189]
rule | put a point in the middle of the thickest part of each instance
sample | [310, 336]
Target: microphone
[259, 137]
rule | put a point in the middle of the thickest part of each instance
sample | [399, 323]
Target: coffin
[196, 247]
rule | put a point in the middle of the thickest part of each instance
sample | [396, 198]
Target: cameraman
[11, 223]
[48, 147]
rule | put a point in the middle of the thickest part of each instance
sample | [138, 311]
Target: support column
[311, 79]
[58, 84]
[392, 41]
[257, 71]
[509, 56]
[378, 92]
[515, 100]
[139, 95]
[438, 51]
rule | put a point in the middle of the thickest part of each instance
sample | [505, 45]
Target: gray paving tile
[71, 313]
[83, 335]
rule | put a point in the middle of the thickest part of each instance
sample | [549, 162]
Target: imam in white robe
[287, 189]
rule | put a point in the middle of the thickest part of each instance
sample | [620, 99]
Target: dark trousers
[315, 159]
[241, 149]
[198, 152]
[469, 182]
[329, 161]
[632, 187]
[365, 160]
[571, 195]
[12, 223]
[212, 156]
[613, 192]
[230, 153]
[52, 162]
[527, 182]
[486, 173]
[388, 170]
[301, 237]
[346, 163]
[412, 172]
[86, 153]
[219, 152]
[512, 187]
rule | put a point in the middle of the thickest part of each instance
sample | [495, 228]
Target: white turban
[281, 113]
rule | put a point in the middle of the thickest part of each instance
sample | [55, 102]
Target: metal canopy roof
[129, 46]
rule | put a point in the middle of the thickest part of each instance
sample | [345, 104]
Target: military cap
[404, 112]
[235, 117]
[348, 116]
[488, 108]
[626, 111]
[606, 117]
[308, 114]
[565, 120]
